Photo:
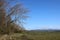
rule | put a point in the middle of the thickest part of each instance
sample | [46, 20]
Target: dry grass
[32, 35]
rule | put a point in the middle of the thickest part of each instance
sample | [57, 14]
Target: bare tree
[16, 13]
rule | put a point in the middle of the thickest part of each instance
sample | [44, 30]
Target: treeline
[10, 16]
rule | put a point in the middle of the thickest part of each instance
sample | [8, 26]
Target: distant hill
[50, 30]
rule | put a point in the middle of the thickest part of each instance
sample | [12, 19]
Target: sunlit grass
[34, 35]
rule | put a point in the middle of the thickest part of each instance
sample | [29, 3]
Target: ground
[32, 35]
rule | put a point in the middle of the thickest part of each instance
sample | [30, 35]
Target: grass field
[35, 35]
[44, 35]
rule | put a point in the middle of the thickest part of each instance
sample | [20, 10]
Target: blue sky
[44, 14]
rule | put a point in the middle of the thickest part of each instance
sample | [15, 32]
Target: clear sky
[44, 14]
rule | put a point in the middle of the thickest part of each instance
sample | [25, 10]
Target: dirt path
[3, 37]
